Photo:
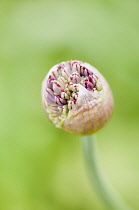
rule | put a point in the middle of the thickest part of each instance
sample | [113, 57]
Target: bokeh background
[41, 167]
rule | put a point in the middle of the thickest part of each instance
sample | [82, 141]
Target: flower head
[76, 97]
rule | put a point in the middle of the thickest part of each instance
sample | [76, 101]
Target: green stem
[110, 198]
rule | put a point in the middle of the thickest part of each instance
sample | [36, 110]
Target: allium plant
[78, 99]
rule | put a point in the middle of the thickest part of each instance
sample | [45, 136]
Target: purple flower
[76, 97]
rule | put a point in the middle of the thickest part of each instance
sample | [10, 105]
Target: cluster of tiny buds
[61, 87]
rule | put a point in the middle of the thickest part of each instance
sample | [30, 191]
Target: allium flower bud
[76, 97]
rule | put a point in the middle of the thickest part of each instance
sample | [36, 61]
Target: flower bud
[76, 97]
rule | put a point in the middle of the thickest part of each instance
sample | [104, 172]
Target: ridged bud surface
[76, 97]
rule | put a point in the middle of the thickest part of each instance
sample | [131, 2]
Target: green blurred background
[41, 167]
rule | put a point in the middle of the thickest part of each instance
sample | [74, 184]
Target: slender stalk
[104, 189]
